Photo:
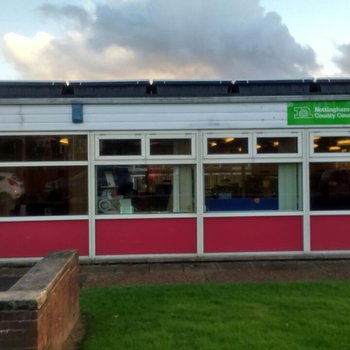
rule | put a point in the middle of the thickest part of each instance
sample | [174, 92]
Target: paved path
[99, 275]
[212, 272]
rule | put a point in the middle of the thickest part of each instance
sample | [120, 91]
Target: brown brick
[18, 324]
[18, 315]
[49, 326]
[17, 338]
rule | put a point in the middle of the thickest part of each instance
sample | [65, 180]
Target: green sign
[319, 113]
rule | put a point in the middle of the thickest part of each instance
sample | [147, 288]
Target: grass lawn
[288, 315]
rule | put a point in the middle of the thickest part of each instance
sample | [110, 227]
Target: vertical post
[200, 195]
[306, 193]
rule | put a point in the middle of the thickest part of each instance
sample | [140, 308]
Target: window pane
[227, 145]
[43, 148]
[145, 189]
[32, 191]
[333, 144]
[120, 147]
[268, 145]
[237, 187]
[330, 186]
[170, 147]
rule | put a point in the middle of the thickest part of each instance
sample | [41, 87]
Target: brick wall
[41, 309]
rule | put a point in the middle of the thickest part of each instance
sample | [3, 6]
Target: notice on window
[319, 113]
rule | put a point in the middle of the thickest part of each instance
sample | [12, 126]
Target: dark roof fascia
[173, 89]
[172, 100]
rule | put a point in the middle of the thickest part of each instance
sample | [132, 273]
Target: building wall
[165, 116]
[196, 233]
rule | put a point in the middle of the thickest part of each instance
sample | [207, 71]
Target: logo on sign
[302, 113]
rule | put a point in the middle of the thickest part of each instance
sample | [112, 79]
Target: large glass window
[27, 148]
[331, 144]
[37, 190]
[173, 146]
[272, 145]
[121, 147]
[128, 189]
[227, 145]
[239, 187]
[330, 186]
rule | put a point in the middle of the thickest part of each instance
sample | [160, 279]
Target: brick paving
[212, 272]
[100, 275]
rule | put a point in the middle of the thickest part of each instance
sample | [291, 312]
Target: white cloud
[27, 52]
[27, 49]
[343, 59]
[134, 39]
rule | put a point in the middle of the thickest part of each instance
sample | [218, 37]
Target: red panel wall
[36, 239]
[330, 232]
[253, 234]
[146, 236]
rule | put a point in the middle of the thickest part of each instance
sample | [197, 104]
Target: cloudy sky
[182, 39]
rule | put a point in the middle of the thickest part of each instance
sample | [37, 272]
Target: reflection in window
[227, 145]
[331, 144]
[128, 189]
[36, 191]
[270, 145]
[43, 148]
[237, 187]
[170, 147]
[330, 186]
[120, 147]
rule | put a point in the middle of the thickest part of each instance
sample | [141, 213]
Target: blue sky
[183, 39]
[322, 24]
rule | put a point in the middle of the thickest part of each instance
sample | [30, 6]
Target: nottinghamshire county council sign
[319, 113]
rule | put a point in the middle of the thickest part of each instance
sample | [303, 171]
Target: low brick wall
[41, 309]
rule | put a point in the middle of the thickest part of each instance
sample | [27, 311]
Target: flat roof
[172, 88]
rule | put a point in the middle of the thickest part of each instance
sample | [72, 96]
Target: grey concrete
[30, 291]
[41, 275]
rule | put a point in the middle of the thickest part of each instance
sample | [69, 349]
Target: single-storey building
[175, 169]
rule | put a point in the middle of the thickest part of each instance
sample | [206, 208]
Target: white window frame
[147, 160]
[56, 163]
[328, 156]
[253, 158]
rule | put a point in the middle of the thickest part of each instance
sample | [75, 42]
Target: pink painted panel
[253, 234]
[37, 238]
[146, 236]
[330, 232]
